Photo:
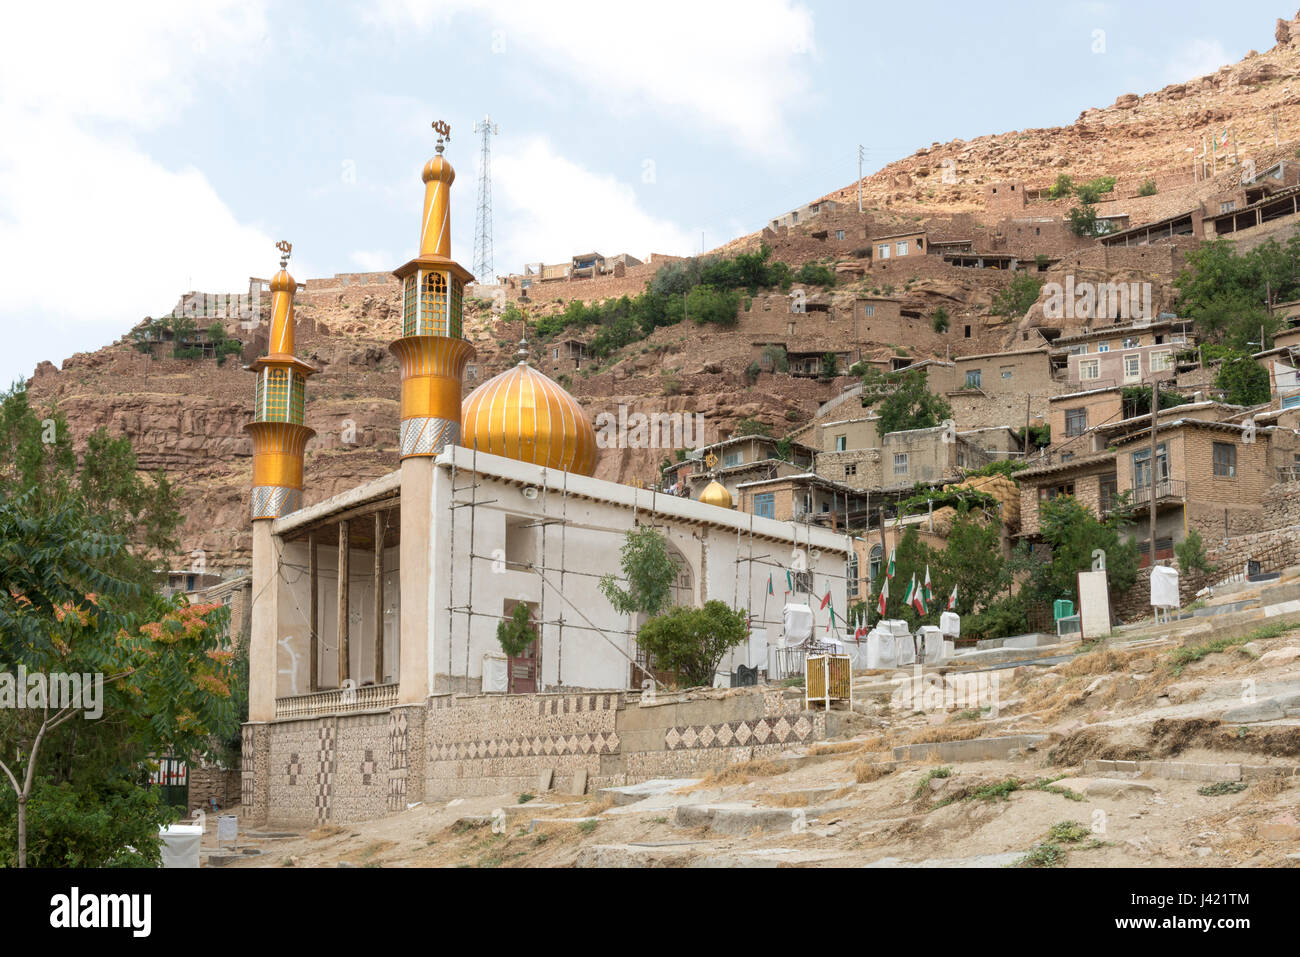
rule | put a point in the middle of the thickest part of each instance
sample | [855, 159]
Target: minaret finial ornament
[523, 351]
[444, 133]
[285, 248]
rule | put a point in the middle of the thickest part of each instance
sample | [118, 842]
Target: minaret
[279, 437]
[432, 351]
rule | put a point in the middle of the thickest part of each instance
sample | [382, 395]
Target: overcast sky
[151, 148]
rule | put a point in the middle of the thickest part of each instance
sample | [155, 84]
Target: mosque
[375, 612]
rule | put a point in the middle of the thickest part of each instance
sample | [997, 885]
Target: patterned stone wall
[338, 769]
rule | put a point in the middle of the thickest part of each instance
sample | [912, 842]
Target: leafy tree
[830, 365]
[903, 400]
[1063, 187]
[1014, 301]
[516, 633]
[649, 571]
[693, 641]
[1191, 556]
[1148, 188]
[1090, 192]
[815, 274]
[1072, 532]
[939, 320]
[972, 560]
[776, 356]
[1136, 400]
[1083, 221]
[750, 426]
[715, 306]
[1243, 381]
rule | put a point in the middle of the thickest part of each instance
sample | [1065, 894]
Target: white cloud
[94, 232]
[737, 66]
[547, 208]
[1196, 58]
[374, 260]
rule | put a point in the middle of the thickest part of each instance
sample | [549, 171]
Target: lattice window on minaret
[297, 396]
[433, 305]
[408, 307]
[457, 295]
[275, 400]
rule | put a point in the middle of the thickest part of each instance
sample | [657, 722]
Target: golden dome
[524, 415]
[715, 493]
[438, 169]
[283, 282]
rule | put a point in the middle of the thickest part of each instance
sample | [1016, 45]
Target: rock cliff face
[187, 416]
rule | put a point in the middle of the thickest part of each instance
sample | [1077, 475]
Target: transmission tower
[483, 222]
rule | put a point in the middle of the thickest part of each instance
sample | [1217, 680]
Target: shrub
[693, 641]
[939, 320]
[1148, 188]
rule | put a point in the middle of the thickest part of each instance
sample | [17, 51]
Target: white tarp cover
[798, 621]
[1164, 587]
[932, 644]
[882, 650]
[180, 845]
[757, 648]
[906, 650]
[496, 674]
[950, 624]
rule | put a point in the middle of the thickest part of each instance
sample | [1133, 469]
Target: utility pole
[1155, 406]
[860, 152]
[483, 265]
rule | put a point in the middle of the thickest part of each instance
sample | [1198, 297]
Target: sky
[148, 149]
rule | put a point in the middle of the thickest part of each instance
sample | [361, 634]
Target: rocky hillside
[187, 416]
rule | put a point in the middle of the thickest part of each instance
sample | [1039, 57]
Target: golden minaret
[432, 351]
[279, 437]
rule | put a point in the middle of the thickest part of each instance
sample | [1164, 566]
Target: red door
[523, 669]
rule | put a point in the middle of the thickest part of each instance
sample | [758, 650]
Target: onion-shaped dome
[524, 415]
[715, 493]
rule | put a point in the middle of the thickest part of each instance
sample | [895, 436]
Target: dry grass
[935, 734]
[326, 830]
[1271, 787]
[847, 747]
[742, 773]
[784, 799]
[865, 772]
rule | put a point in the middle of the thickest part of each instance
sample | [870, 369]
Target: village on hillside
[948, 520]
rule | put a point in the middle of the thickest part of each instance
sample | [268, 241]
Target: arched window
[433, 303]
[877, 554]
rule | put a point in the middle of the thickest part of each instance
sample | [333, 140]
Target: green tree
[1014, 301]
[516, 633]
[649, 571]
[939, 320]
[1191, 556]
[705, 304]
[1148, 188]
[1063, 187]
[972, 560]
[1243, 381]
[815, 274]
[903, 400]
[750, 426]
[693, 641]
[830, 365]
[1072, 533]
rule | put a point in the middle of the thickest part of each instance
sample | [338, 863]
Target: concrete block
[580, 781]
[545, 779]
[1266, 710]
[975, 749]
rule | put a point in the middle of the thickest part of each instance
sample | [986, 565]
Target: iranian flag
[884, 597]
[918, 599]
[952, 599]
[909, 595]
[929, 595]
[889, 571]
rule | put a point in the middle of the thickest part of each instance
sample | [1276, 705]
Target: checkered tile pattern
[293, 768]
[368, 767]
[740, 734]
[427, 435]
[573, 704]
[598, 743]
[246, 790]
[324, 771]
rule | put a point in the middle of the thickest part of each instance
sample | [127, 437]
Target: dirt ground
[849, 803]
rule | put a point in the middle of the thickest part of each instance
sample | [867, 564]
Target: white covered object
[896, 626]
[756, 649]
[798, 620]
[932, 644]
[1164, 587]
[882, 651]
[180, 845]
[906, 650]
[496, 674]
[950, 624]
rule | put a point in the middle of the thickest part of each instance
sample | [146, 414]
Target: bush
[815, 274]
[1191, 556]
[516, 633]
[777, 358]
[693, 641]
[1014, 301]
[1243, 381]
[1148, 188]
[939, 320]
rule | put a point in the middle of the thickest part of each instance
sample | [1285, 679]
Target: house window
[841, 443]
[1056, 491]
[873, 566]
[1131, 342]
[1103, 347]
[1142, 466]
[1090, 369]
[884, 250]
[1109, 486]
[839, 234]
[868, 311]
[901, 248]
[1076, 421]
[851, 470]
[1291, 401]
[1132, 367]
[1079, 350]
[1228, 207]
[557, 353]
[1225, 460]
[732, 458]
[1066, 456]
[851, 573]
[973, 379]
[802, 582]
[968, 332]
[900, 463]
[765, 505]
[1008, 372]
[1160, 361]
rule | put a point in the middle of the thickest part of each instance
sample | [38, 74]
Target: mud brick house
[1189, 223]
[1210, 473]
[568, 355]
[738, 460]
[1119, 353]
[808, 498]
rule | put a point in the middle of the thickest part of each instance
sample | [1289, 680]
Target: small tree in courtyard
[693, 641]
[649, 571]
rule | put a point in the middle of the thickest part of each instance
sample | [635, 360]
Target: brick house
[738, 460]
[805, 497]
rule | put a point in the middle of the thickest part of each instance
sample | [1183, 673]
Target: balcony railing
[336, 700]
[1165, 490]
[1289, 473]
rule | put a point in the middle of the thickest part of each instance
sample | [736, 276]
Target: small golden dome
[524, 415]
[438, 168]
[715, 493]
[283, 282]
